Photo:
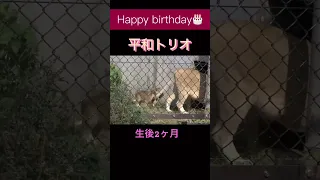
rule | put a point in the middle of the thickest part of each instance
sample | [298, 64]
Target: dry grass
[180, 121]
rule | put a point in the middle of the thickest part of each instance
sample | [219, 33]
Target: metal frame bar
[264, 172]
[179, 116]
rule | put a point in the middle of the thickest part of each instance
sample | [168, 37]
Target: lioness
[249, 66]
[188, 84]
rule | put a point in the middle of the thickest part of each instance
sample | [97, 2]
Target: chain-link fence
[159, 85]
[262, 56]
[47, 106]
[54, 71]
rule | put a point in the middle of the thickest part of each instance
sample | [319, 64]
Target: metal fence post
[155, 71]
[207, 91]
[263, 15]
[314, 82]
[207, 96]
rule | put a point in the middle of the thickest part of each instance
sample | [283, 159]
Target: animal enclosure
[250, 42]
[53, 55]
[144, 73]
[73, 40]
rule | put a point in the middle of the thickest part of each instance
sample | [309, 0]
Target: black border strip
[187, 157]
[200, 42]
[164, 4]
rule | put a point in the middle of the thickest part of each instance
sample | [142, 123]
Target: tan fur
[249, 65]
[147, 97]
[188, 84]
[95, 111]
[150, 96]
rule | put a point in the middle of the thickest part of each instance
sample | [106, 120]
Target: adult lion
[249, 64]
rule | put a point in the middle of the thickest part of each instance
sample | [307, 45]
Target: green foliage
[36, 139]
[115, 76]
[122, 109]
[17, 57]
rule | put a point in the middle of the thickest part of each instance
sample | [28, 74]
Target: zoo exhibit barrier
[146, 73]
[289, 149]
[74, 37]
[53, 55]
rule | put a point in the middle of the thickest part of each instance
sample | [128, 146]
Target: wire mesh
[260, 64]
[73, 41]
[158, 84]
[55, 63]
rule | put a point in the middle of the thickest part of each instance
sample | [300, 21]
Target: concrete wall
[144, 72]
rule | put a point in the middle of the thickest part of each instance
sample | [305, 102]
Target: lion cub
[147, 96]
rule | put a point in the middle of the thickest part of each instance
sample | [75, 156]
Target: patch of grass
[122, 109]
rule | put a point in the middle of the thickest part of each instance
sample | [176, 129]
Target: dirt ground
[159, 109]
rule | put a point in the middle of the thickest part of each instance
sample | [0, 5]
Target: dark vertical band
[184, 156]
